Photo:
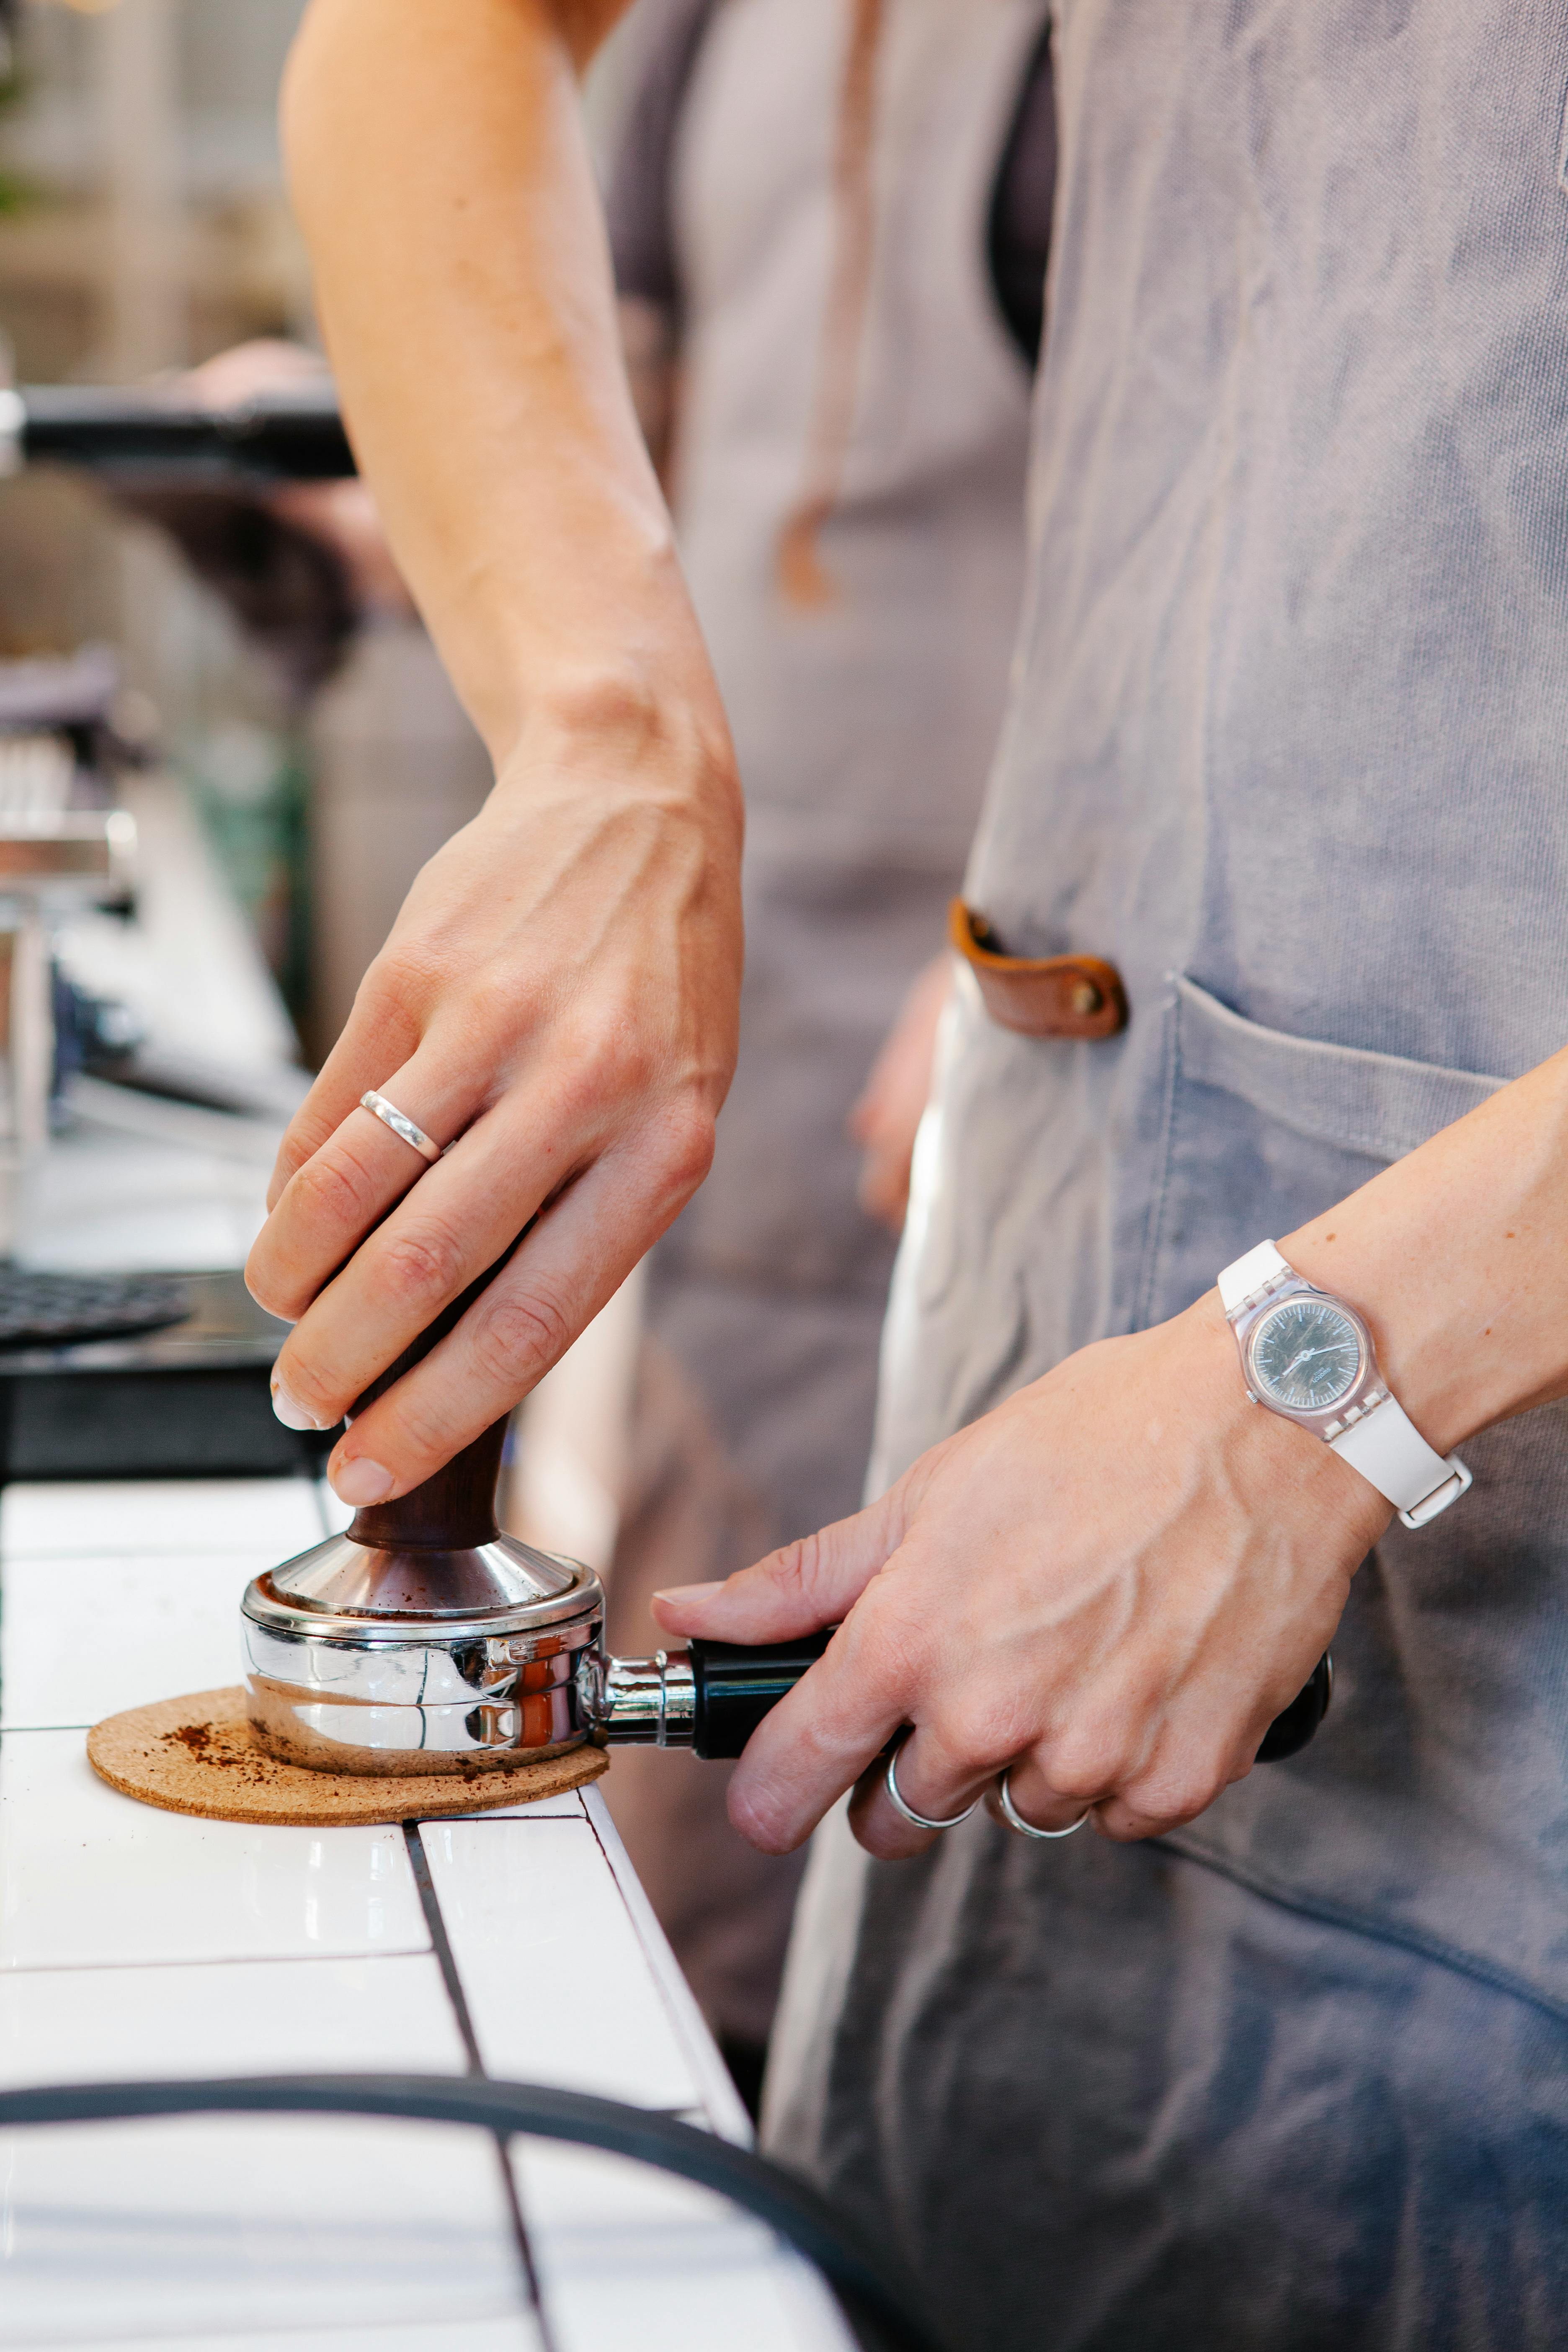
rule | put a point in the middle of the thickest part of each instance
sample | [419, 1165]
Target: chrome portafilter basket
[377, 1657]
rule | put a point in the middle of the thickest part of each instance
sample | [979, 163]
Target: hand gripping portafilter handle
[733, 1687]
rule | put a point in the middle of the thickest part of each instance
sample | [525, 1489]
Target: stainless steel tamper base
[419, 1659]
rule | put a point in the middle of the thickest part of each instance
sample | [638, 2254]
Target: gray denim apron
[1290, 744]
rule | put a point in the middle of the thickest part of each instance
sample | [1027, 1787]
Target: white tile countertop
[139, 1943]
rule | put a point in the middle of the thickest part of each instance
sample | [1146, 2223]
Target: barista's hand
[560, 993]
[1113, 1583]
[884, 1120]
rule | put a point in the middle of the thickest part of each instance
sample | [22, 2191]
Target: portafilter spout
[424, 1639]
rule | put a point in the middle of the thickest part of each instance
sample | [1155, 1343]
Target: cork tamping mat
[196, 1754]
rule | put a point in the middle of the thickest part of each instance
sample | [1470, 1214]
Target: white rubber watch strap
[1385, 1444]
[1246, 1276]
[1391, 1454]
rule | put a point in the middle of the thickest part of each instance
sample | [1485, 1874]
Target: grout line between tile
[447, 1959]
[440, 1944]
[215, 1960]
[22, 1730]
[498, 1814]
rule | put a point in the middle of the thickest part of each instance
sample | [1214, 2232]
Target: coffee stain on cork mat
[197, 1755]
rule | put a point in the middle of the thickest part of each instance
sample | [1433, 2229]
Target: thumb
[803, 1586]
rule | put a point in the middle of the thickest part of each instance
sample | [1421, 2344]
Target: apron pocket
[1432, 1810]
[1264, 1130]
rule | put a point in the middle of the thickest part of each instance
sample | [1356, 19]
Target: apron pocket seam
[1393, 1933]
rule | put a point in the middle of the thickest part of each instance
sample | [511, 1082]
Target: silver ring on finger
[1014, 1819]
[907, 1811]
[400, 1125]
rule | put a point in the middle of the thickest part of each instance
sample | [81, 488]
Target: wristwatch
[1308, 1356]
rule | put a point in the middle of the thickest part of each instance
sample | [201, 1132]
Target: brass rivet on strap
[1086, 997]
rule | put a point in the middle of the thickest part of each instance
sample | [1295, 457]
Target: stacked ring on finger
[400, 1125]
[907, 1811]
[1014, 1819]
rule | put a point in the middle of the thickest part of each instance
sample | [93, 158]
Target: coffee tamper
[424, 1639]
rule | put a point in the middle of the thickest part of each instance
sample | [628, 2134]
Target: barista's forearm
[1458, 1257]
[438, 165]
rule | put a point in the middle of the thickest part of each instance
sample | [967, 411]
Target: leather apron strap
[1040, 996]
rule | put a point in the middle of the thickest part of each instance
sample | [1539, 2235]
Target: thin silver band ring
[1015, 1821]
[920, 1821]
[400, 1125]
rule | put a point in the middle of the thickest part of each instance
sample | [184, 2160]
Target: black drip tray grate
[51, 1308]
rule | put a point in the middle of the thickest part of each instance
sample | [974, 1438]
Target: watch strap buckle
[1458, 1482]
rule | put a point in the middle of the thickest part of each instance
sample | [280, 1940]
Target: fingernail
[291, 1413]
[360, 1481]
[691, 1591]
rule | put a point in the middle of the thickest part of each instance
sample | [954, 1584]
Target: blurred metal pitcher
[50, 867]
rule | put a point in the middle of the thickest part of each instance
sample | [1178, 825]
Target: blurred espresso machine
[104, 1371]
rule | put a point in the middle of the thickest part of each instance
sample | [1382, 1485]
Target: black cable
[785, 2203]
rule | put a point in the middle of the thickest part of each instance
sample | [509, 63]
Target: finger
[804, 1585]
[570, 1265]
[459, 1219]
[356, 1175]
[930, 1780]
[1184, 1760]
[453, 1225]
[823, 1734]
[338, 1197]
[1036, 1801]
[1197, 1747]
[868, 1805]
[380, 1036]
[1172, 1789]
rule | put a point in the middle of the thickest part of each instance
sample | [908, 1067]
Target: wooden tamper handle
[455, 1509]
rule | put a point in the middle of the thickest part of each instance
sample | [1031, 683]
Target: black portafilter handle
[144, 437]
[734, 1687]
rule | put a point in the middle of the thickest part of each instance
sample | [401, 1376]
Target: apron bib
[1289, 744]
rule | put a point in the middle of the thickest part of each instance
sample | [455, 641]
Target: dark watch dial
[1306, 1355]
